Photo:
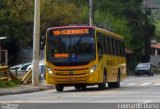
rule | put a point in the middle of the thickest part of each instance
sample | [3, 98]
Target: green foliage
[16, 20]
[58, 13]
[155, 18]
[15, 16]
[9, 84]
[125, 17]
[157, 24]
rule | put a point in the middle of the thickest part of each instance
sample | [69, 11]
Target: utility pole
[36, 43]
[90, 12]
[146, 37]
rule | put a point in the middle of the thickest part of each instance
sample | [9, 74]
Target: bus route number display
[70, 32]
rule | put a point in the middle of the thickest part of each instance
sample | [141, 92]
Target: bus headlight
[93, 68]
[50, 71]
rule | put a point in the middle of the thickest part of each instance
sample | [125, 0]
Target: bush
[10, 83]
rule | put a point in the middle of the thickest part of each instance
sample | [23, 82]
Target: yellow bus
[80, 56]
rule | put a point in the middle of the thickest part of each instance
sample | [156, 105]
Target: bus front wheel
[59, 87]
[102, 86]
[77, 87]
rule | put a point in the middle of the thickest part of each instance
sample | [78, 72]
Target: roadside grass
[8, 84]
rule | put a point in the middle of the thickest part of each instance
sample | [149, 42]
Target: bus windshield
[71, 49]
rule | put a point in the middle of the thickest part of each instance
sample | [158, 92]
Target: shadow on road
[88, 89]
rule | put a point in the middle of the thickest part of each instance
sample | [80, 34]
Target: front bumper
[142, 72]
[79, 77]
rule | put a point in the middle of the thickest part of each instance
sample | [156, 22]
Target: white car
[41, 68]
[20, 70]
[144, 68]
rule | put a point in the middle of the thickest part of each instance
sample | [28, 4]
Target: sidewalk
[26, 89]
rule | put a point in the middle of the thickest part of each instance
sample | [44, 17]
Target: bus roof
[60, 27]
[98, 29]
[109, 33]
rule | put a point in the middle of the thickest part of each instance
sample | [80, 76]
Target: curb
[29, 90]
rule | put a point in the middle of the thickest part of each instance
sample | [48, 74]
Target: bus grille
[80, 75]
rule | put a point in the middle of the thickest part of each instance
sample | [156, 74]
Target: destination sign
[70, 32]
[61, 55]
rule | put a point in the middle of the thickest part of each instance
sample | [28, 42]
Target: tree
[128, 19]
[157, 24]
[125, 17]
[16, 21]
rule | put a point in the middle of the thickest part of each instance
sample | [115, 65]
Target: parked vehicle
[20, 70]
[41, 68]
[144, 69]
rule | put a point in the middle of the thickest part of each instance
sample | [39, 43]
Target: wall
[155, 59]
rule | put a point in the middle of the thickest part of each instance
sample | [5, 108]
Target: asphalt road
[143, 90]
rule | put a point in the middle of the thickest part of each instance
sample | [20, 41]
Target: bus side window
[122, 49]
[120, 46]
[100, 44]
[114, 47]
[104, 44]
[117, 47]
[124, 53]
[107, 45]
[110, 46]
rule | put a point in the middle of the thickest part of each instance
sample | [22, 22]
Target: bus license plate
[71, 79]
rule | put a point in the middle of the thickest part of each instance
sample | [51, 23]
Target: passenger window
[110, 45]
[117, 48]
[107, 45]
[100, 44]
[113, 46]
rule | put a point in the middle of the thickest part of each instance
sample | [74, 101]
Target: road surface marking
[147, 101]
[109, 101]
[130, 84]
[145, 84]
[157, 84]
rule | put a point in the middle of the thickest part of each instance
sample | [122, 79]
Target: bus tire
[115, 84]
[102, 86]
[77, 87]
[83, 87]
[59, 87]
